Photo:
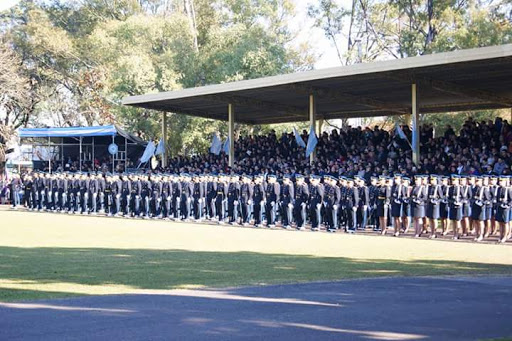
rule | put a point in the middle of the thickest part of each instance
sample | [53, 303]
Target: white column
[320, 125]
[231, 132]
[312, 122]
[80, 165]
[49, 156]
[164, 137]
[415, 125]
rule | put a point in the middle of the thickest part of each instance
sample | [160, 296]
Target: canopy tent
[86, 144]
[471, 79]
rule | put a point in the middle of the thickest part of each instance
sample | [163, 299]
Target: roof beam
[192, 112]
[294, 111]
[455, 89]
[338, 95]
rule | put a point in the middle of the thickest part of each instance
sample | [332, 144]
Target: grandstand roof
[471, 79]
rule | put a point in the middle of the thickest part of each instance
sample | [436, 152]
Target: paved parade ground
[470, 308]
[78, 277]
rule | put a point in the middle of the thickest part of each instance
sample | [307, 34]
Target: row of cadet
[464, 205]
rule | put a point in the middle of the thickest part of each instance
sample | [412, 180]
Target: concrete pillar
[312, 122]
[231, 132]
[415, 125]
[164, 137]
[320, 124]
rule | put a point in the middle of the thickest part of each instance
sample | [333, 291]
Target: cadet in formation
[476, 205]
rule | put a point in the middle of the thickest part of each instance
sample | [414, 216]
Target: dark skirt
[489, 212]
[396, 209]
[478, 212]
[406, 210]
[381, 209]
[433, 211]
[466, 210]
[455, 213]
[443, 210]
[418, 210]
[502, 214]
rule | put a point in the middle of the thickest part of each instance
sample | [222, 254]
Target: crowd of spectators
[478, 148]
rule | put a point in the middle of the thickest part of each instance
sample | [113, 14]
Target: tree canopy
[71, 62]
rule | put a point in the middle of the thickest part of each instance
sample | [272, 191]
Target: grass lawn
[51, 255]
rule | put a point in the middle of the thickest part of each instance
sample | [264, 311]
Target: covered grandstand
[473, 79]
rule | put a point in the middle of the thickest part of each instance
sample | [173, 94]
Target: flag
[160, 149]
[225, 148]
[216, 145]
[298, 138]
[400, 132]
[148, 153]
[312, 141]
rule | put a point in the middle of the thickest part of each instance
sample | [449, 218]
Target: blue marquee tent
[84, 143]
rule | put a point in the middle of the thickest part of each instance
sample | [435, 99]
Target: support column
[320, 125]
[415, 125]
[49, 156]
[80, 165]
[164, 137]
[231, 132]
[312, 122]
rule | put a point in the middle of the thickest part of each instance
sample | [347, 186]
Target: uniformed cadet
[316, 190]
[84, 193]
[93, 194]
[455, 205]
[197, 197]
[504, 201]
[418, 199]
[434, 195]
[301, 201]
[396, 203]
[28, 187]
[352, 202]
[478, 209]
[488, 206]
[493, 189]
[175, 196]
[109, 195]
[373, 190]
[383, 201]
[364, 202]
[211, 192]
[287, 201]
[246, 199]
[342, 211]
[406, 204]
[444, 206]
[54, 191]
[466, 205]
[259, 199]
[220, 198]
[233, 199]
[272, 197]
[166, 197]
[330, 199]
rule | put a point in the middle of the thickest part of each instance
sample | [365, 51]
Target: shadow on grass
[30, 273]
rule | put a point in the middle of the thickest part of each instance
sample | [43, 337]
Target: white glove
[335, 207]
[365, 207]
[249, 202]
[272, 203]
[303, 204]
[235, 202]
[354, 208]
[290, 205]
[318, 205]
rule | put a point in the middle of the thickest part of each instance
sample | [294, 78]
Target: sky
[315, 36]
[302, 24]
